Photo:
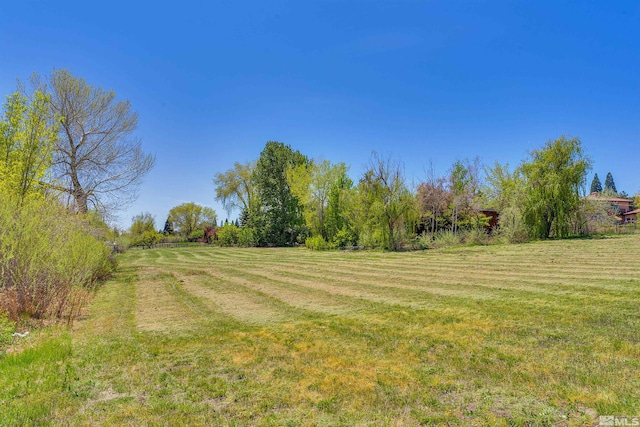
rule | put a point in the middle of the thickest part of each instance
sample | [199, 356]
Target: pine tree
[168, 226]
[596, 185]
[244, 218]
[609, 184]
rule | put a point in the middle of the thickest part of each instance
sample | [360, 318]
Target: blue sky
[418, 80]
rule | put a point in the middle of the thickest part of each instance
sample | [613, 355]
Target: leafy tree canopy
[553, 177]
[27, 139]
[190, 217]
[142, 223]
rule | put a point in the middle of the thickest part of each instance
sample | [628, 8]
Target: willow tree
[97, 160]
[235, 189]
[553, 178]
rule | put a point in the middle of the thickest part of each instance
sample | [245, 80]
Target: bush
[424, 240]
[477, 236]
[147, 239]
[48, 261]
[370, 238]
[247, 237]
[195, 235]
[344, 237]
[317, 243]
[228, 235]
[444, 238]
[511, 227]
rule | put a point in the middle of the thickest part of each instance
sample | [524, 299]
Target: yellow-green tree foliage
[312, 184]
[48, 258]
[190, 217]
[26, 146]
[553, 178]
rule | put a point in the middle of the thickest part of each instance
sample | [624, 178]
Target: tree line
[286, 198]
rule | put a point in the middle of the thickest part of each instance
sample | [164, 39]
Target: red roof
[608, 199]
[636, 211]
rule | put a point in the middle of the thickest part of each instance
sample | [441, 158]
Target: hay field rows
[544, 333]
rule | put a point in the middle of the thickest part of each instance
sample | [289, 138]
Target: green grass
[544, 333]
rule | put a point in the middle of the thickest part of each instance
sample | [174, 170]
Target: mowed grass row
[544, 333]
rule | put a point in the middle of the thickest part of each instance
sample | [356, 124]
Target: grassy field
[544, 333]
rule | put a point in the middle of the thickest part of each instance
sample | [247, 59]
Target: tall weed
[445, 238]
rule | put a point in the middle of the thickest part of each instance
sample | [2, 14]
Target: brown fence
[168, 245]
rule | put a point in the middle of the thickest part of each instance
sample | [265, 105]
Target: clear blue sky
[418, 80]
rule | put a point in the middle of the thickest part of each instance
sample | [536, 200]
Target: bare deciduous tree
[433, 199]
[97, 161]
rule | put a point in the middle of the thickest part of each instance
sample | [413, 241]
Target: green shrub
[316, 243]
[476, 236]
[147, 239]
[511, 227]
[247, 237]
[228, 235]
[424, 240]
[371, 238]
[48, 260]
[196, 235]
[344, 237]
[445, 238]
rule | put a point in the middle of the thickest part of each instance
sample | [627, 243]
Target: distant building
[621, 208]
[630, 217]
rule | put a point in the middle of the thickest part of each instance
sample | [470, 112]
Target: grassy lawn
[544, 333]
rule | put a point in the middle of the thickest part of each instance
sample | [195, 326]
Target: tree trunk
[79, 195]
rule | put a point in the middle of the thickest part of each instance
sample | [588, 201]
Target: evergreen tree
[244, 218]
[609, 184]
[237, 223]
[168, 226]
[279, 220]
[596, 185]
